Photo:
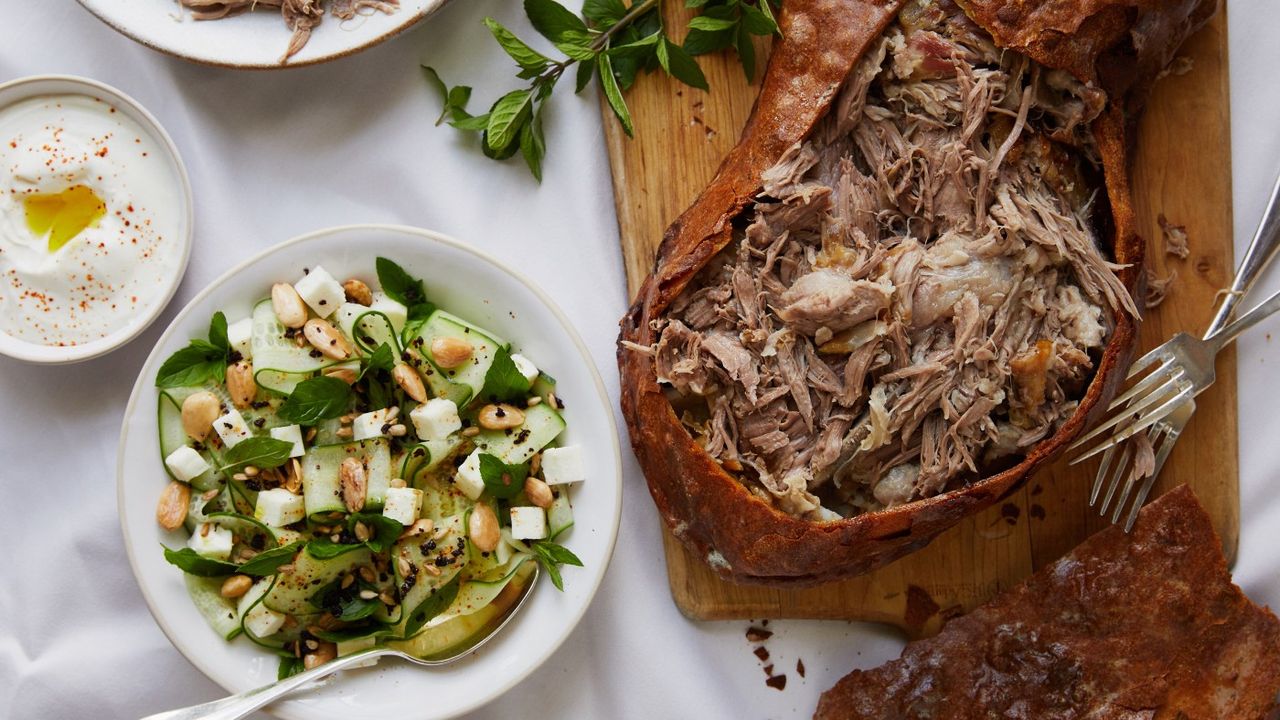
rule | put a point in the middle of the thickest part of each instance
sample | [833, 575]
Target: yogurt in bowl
[95, 219]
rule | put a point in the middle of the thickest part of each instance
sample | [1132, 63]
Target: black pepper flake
[316, 354]
[234, 357]
[442, 561]
[324, 302]
[259, 422]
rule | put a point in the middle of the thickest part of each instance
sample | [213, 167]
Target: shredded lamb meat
[302, 16]
[917, 292]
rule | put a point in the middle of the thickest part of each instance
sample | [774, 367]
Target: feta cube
[279, 507]
[211, 541]
[528, 523]
[369, 425]
[398, 314]
[355, 645]
[563, 465]
[240, 337]
[262, 621]
[468, 477]
[291, 434]
[436, 419]
[320, 291]
[525, 366]
[232, 428]
[185, 463]
[403, 505]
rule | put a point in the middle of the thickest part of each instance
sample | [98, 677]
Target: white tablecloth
[272, 155]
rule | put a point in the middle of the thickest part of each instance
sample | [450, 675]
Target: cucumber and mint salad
[357, 467]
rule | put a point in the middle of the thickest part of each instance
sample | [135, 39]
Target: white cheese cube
[211, 541]
[563, 465]
[348, 313]
[262, 621]
[185, 463]
[528, 523]
[320, 291]
[232, 428]
[525, 366]
[240, 337]
[355, 645]
[369, 425]
[468, 477]
[395, 312]
[403, 505]
[291, 434]
[279, 507]
[436, 419]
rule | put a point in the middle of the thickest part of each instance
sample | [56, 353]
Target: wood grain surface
[1182, 170]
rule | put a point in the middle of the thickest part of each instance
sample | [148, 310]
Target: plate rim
[613, 527]
[411, 19]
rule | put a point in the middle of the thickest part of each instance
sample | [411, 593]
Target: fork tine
[1129, 482]
[1130, 413]
[1156, 353]
[1170, 439]
[1151, 418]
[1143, 385]
[1125, 453]
[1102, 475]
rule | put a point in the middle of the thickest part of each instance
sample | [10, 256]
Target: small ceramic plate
[21, 89]
[255, 39]
[482, 290]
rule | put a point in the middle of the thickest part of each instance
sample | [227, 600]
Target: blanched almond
[235, 586]
[199, 411]
[500, 417]
[324, 337]
[354, 484]
[358, 292]
[410, 381]
[346, 375]
[288, 305]
[240, 384]
[539, 492]
[483, 528]
[171, 511]
[324, 652]
[449, 352]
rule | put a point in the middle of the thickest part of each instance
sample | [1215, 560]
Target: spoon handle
[237, 706]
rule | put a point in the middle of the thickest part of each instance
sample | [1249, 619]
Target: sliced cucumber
[173, 436]
[279, 363]
[367, 328]
[321, 467]
[427, 456]
[542, 425]
[450, 633]
[560, 514]
[425, 583]
[461, 384]
[293, 590]
[479, 592]
[219, 612]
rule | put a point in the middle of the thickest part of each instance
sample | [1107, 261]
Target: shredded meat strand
[301, 16]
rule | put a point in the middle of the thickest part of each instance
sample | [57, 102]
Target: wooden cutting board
[1183, 170]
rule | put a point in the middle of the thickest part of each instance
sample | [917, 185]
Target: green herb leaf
[527, 58]
[681, 65]
[196, 564]
[326, 549]
[503, 380]
[564, 29]
[384, 358]
[551, 556]
[262, 452]
[315, 399]
[746, 53]
[604, 12]
[383, 531]
[435, 604]
[701, 42]
[398, 284]
[711, 24]
[289, 666]
[500, 479]
[533, 145]
[454, 108]
[268, 562]
[193, 365]
[757, 21]
[218, 332]
[613, 94]
[506, 118]
[586, 69]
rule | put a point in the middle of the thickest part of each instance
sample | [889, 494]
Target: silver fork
[1173, 397]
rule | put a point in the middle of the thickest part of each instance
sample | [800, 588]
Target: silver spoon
[238, 706]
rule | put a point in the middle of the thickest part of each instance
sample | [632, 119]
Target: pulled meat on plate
[300, 15]
[916, 293]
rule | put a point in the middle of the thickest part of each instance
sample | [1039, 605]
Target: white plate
[254, 39]
[480, 289]
[21, 89]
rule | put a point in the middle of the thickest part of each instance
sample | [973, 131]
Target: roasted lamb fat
[908, 285]
[1146, 625]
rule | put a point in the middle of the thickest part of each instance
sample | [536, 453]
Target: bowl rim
[612, 527]
[60, 355]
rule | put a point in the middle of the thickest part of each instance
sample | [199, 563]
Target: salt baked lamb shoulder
[762, 521]
[1146, 626]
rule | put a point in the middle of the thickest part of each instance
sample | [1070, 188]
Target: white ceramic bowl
[253, 40]
[37, 85]
[480, 289]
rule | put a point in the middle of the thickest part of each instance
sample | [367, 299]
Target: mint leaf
[500, 479]
[383, 531]
[218, 332]
[196, 564]
[564, 29]
[289, 666]
[746, 53]
[529, 60]
[384, 358]
[454, 109]
[195, 364]
[604, 12]
[757, 20]
[435, 604]
[681, 65]
[315, 399]
[711, 24]
[551, 556]
[533, 145]
[507, 117]
[326, 549]
[586, 69]
[268, 562]
[503, 381]
[398, 284]
[262, 452]
[613, 94]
